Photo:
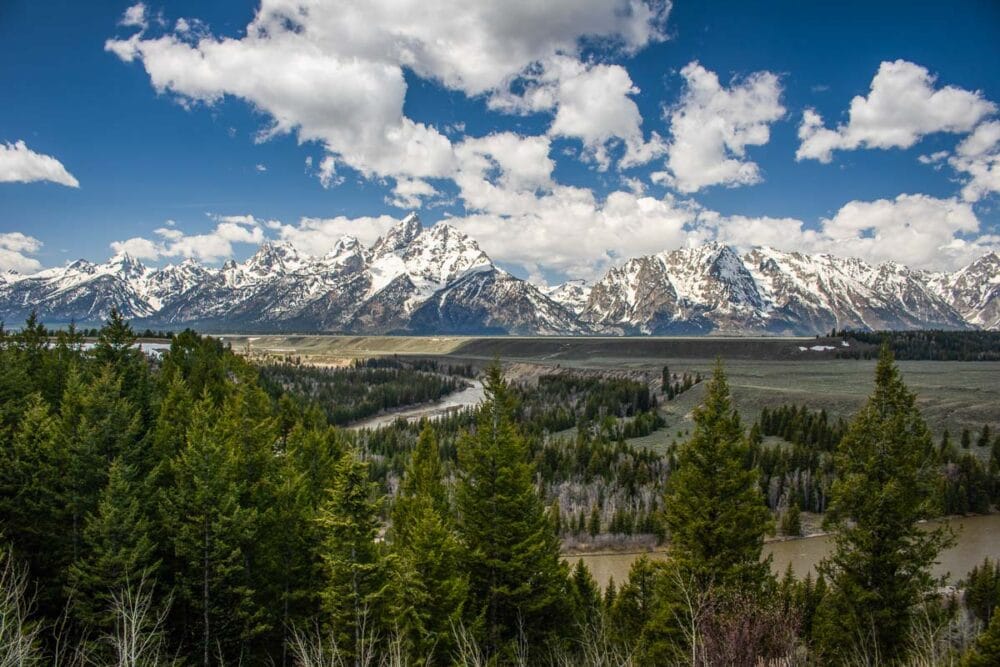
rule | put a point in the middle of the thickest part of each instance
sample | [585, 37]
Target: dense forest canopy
[192, 508]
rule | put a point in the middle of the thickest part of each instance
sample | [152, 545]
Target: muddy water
[978, 537]
[468, 397]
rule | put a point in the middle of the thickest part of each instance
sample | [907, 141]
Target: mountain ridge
[430, 280]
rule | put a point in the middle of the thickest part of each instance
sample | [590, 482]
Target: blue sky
[562, 139]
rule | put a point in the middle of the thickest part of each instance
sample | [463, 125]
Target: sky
[563, 136]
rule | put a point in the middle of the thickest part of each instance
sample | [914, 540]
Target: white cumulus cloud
[332, 71]
[20, 164]
[502, 172]
[135, 16]
[592, 102]
[712, 126]
[211, 246]
[15, 248]
[978, 158]
[410, 192]
[571, 232]
[901, 107]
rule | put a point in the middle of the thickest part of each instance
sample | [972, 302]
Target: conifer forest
[196, 508]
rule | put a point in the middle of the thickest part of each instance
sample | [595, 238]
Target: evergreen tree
[714, 509]
[33, 512]
[316, 452]
[15, 386]
[116, 348]
[517, 580]
[116, 341]
[880, 568]
[635, 603]
[433, 588]
[118, 551]
[173, 419]
[586, 597]
[982, 589]
[356, 589]
[210, 531]
[555, 513]
[98, 425]
[291, 562]
[610, 595]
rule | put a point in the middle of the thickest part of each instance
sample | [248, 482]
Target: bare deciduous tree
[137, 639]
[18, 635]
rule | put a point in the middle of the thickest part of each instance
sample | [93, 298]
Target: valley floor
[763, 371]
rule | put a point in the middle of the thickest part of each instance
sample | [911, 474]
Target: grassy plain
[763, 372]
[950, 394]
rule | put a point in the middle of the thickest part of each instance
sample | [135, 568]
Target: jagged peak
[406, 229]
[125, 263]
[399, 236]
[280, 248]
[444, 229]
[442, 233]
[80, 265]
[706, 252]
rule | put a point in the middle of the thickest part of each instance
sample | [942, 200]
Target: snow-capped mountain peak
[572, 294]
[398, 237]
[974, 290]
[438, 280]
[123, 264]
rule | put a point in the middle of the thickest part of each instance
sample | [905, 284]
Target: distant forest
[926, 345]
[365, 388]
[172, 510]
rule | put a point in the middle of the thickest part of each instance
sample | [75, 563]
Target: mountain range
[417, 280]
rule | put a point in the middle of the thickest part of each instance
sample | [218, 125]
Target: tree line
[927, 345]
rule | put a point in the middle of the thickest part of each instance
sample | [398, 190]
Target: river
[978, 537]
[468, 397]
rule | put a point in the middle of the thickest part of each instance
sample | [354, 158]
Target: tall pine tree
[432, 586]
[357, 582]
[33, 511]
[517, 581]
[880, 568]
[118, 552]
[210, 532]
[714, 509]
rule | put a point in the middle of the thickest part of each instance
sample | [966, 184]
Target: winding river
[468, 397]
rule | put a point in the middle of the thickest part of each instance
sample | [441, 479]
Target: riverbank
[978, 537]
